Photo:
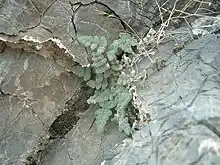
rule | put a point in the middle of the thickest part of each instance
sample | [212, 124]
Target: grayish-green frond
[102, 116]
[106, 75]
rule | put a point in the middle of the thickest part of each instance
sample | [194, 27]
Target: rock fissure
[104, 13]
[57, 130]
[61, 125]
[209, 126]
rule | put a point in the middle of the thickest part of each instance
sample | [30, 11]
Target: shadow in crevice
[61, 125]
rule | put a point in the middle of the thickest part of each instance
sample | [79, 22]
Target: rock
[183, 105]
[52, 26]
[206, 25]
[82, 144]
[33, 93]
[55, 26]
[39, 124]
[40, 103]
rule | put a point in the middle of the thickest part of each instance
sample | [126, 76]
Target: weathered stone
[39, 104]
[33, 25]
[37, 94]
[34, 91]
[183, 104]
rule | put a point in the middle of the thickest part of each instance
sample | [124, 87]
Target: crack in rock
[210, 126]
[55, 47]
[61, 125]
[50, 48]
[108, 11]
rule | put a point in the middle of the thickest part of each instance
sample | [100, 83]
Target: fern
[78, 70]
[124, 126]
[124, 79]
[82, 72]
[91, 84]
[102, 116]
[87, 74]
[106, 77]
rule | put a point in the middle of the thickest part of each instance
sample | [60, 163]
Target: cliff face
[183, 101]
[40, 98]
[50, 27]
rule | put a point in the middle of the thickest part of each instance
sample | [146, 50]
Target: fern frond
[102, 116]
[109, 81]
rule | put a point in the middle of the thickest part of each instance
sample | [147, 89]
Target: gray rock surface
[44, 25]
[183, 102]
[33, 93]
[35, 90]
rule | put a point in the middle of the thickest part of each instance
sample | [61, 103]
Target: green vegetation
[106, 76]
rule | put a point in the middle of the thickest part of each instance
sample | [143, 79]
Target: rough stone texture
[83, 145]
[40, 26]
[183, 102]
[34, 92]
